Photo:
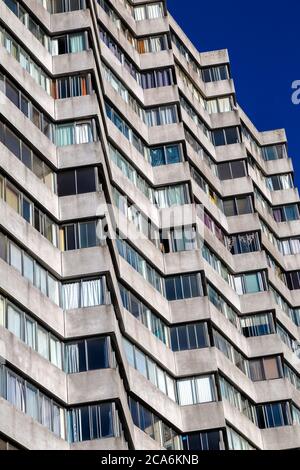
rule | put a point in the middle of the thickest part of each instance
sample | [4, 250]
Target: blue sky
[264, 48]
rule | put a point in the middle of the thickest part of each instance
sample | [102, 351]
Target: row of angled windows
[68, 295]
[97, 353]
[103, 420]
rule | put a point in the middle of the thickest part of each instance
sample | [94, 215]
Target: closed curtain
[45, 411]
[204, 389]
[71, 295]
[185, 392]
[16, 391]
[32, 401]
[154, 11]
[92, 293]
[83, 133]
[30, 329]
[76, 42]
[64, 135]
[72, 358]
[14, 321]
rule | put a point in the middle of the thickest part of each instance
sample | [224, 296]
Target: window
[15, 257]
[230, 170]
[87, 293]
[165, 155]
[211, 440]
[226, 136]
[74, 133]
[286, 213]
[293, 280]
[274, 152]
[192, 336]
[93, 422]
[280, 182]
[157, 78]
[250, 283]
[213, 74]
[257, 325]
[150, 12]
[236, 441]
[273, 415]
[14, 321]
[26, 62]
[197, 390]
[152, 425]
[141, 312]
[183, 287]
[267, 368]
[91, 354]
[238, 206]
[245, 243]
[70, 43]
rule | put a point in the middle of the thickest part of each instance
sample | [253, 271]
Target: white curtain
[154, 11]
[212, 106]
[185, 392]
[56, 419]
[42, 339]
[70, 295]
[72, 358]
[30, 332]
[53, 289]
[15, 257]
[139, 13]
[92, 293]
[161, 381]
[204, 391]
[55, 352]
[28, 267]
[16, 391]
[45, 410]
[224, 105]
[2, 313]
[14, 323]
[41, 279]
[31, 401]
[83, 133]
[54, 47]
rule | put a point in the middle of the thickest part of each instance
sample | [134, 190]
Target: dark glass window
[134, 412]
[12, 143]
[26, 156]
[232, 136]
[97, 353]
[224, 171]
[25, 106]
[26, 210]
[62, 45]
[70, 237]
[243, 205]
[87, 234]
[106, 420]
[85, 423]
[218, 137]
[12, 5]
[66, 184]
[2, 246]
[82, 356]
[182, 338]
[86, 180]
[12, 93]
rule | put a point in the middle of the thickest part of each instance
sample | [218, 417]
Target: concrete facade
[205, 353]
